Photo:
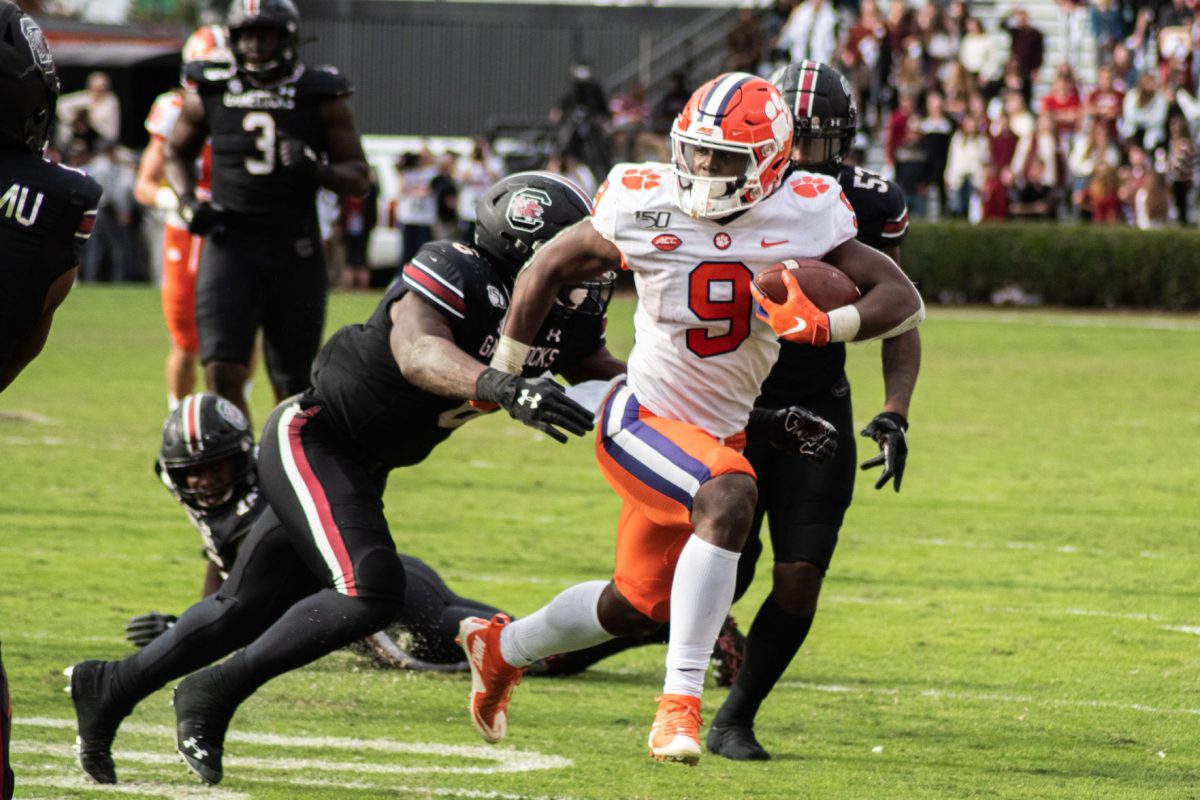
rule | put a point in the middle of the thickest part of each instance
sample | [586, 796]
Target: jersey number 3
[263, 124]
[719, 291]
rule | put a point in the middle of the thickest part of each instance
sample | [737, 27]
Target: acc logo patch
[38, 45]
[496, 298]
[666, 241]
[527, 209]
[640, 179]
[809, 186]
[722, 241]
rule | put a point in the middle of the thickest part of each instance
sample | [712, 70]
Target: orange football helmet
[208, 43]
[730, 145]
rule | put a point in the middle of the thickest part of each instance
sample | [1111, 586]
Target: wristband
[844, 323]
[510, 355]
[165, 199]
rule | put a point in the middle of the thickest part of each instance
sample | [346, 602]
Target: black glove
[795, 430]
[296, 154]
[538, 402]
[145, 628]
[888, 430]
[200, 216]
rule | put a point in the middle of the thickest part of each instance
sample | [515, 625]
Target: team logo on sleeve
[722, 241]
[809, 186]
[496, 298]
[527, 209]
[640, 179]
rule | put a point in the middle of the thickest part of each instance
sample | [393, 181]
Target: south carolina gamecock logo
[527, 209]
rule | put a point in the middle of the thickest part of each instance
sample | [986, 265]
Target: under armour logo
[195, 747]
[531, 400]
[554, 335]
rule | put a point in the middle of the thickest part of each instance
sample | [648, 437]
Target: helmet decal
[527, 208]
[38, 46]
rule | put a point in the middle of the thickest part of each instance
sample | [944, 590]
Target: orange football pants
[181, 258]
[656, 465]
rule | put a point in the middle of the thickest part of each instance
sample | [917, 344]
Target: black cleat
[736, 742]
[728, 653]
[201, 718]
[97, 717]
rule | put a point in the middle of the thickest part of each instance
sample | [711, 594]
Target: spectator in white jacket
[810, 32]
[1144, 113]
[966, 164]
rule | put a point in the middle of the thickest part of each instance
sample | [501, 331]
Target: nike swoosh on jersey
[765, 243]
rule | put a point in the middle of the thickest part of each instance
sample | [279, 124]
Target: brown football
[824, 284]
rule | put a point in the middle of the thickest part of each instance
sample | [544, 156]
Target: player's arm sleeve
[436, 279]
[85, 202]
[606, 211]
[895, 217]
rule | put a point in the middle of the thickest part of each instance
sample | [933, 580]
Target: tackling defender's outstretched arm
[889, 300]
[577, 254]
[347, 172]
[423, 346]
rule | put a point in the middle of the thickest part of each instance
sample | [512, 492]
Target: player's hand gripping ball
[793, 297]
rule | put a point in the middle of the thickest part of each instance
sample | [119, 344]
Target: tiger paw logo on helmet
[809, 186]
[640, 179]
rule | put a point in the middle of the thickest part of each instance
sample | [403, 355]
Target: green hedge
[1101, 266]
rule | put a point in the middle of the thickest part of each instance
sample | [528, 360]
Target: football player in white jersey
[694, 232]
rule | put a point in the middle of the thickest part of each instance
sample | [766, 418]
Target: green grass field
[1020, 622]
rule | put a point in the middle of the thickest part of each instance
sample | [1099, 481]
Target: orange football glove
[794, 320]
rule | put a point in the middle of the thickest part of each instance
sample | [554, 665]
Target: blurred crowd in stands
[967, 117]
[973, 123]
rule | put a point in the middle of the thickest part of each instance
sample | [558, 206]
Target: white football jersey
[163, 114]
[700, 355]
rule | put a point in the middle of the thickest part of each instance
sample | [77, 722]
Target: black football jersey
[224, 528]
[398, 424]
[46, 214]
[247, 122]
[882, 222]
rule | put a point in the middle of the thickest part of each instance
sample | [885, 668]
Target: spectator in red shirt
[1002, 142]
[897, 126]
[1104, 102]
[1102, 204]
[995, 193]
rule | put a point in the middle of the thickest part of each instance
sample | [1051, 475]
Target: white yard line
[502, 760]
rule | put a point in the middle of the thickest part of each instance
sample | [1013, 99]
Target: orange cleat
[675, 735]
[492, 679]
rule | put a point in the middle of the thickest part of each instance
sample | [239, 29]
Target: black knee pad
[379, 574]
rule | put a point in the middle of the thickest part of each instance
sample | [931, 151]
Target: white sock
[567, 623]
[701, 594]
[172, 402]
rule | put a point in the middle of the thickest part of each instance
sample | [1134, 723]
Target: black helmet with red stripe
[207, 451]
[826, 114]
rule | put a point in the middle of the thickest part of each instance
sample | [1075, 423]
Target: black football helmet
[203, 429]
[28, 82]
[824, 109]
[278, 14]
[520, 212]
